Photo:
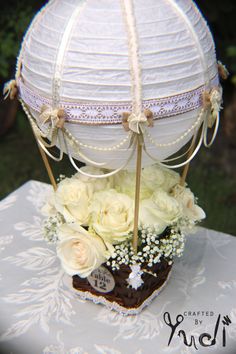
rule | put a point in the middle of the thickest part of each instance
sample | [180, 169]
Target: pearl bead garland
[71, 138]
[97, 148]
[195, 124]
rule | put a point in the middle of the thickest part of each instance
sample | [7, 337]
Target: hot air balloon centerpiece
[130, 88]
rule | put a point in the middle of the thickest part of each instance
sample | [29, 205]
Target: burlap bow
[223, 72]
[135, 122]
[55, 117]
[213, 101]
[10, 90]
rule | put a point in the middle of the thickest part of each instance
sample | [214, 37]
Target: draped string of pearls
[61, 137]
[65, 138]
[98, 148]
[208, 113]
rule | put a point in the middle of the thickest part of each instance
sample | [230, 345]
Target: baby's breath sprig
[50, 227]
[152, 248]
[60, 178]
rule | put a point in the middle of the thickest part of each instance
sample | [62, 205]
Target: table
[41, 313]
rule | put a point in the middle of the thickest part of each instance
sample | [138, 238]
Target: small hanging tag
[101, 280]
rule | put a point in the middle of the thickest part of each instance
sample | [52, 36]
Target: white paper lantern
[98, 59]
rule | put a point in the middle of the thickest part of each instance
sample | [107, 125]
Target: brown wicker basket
[122, 297]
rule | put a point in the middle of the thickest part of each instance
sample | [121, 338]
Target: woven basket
[122, 297]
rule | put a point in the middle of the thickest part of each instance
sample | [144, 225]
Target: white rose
[171, 178]
[153, 177]
[72, 199]
[112, 215]
[124, 182]
[79, 251]
[186, 198]
[161, 210]
[97, 183]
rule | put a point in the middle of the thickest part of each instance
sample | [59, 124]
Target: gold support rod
[46, 164]
[137, 192]
[186, 167]
[48, 168]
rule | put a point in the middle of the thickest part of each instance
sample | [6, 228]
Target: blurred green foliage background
[212, 175]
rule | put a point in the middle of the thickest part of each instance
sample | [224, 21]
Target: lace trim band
[111, 113]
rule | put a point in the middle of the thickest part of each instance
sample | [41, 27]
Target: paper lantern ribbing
[93, 74]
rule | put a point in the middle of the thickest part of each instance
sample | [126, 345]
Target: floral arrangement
[91, 220]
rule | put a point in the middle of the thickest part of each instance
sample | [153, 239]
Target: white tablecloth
[40, 312]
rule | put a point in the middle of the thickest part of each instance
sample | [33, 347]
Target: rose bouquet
[91, 222]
